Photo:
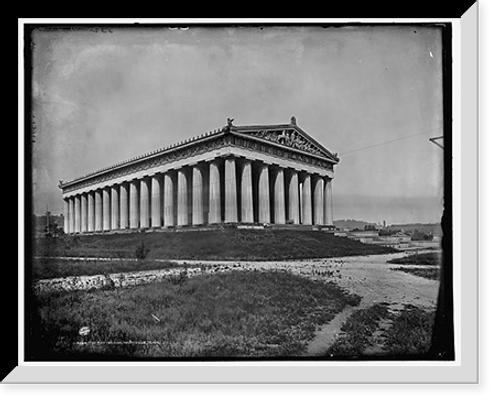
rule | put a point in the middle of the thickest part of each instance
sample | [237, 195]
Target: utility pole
[443, 344]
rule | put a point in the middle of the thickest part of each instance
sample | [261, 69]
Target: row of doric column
[229, 190]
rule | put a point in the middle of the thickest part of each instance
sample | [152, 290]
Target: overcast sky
[102, 97]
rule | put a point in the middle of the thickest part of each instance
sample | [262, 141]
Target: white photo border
[464, 369]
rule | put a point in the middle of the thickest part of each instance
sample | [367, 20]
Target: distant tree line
[54, 228]
[420, 235]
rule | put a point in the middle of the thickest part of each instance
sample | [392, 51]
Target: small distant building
[340, 233]
[363, 234]
[399, 240]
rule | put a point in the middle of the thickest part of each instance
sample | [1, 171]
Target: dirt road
[368, 276]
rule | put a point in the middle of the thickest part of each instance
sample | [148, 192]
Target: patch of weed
[410, 332]
[429, 273]
[431, 258]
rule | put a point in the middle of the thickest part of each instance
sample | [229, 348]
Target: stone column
[246, 193]
[123, 206]
[293, 198]
[328, 209]
[84, 222]
[231, 199]
[214, 194]
[134, 205]
[318, 201]
[155, 202]
[71, 225]
[169, 201]
[197, 195]
[115, 207]
[98, 211]
[78, 218]
[66, 215]
[182, 198]
[106, 209]
[279, 196]
[306, 200]
[90, 212]
[264, 195]
[144, 203]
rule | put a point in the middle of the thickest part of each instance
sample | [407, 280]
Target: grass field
[432, 273]
[426, 259]
[235, 314]
[410, 332]
[432, 258]
[229, 244]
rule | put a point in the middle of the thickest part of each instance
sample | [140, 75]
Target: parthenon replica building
[259, 174]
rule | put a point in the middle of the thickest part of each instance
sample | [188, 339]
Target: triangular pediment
[290, 136]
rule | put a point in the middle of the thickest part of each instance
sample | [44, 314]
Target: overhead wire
[390, 141]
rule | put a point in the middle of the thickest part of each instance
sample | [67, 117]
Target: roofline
[235, 129]
[145, 156]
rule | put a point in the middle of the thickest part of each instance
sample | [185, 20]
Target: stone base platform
[213, 227]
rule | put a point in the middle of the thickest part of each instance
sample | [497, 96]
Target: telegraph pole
[443, 344]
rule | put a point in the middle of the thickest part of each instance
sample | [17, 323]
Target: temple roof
[288, 135]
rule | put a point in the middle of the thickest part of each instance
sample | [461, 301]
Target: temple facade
[259, 174]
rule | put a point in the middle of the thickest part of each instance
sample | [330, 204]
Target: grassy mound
[228, 244]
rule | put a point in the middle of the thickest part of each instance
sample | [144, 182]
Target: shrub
[180, 278]
[141, 251]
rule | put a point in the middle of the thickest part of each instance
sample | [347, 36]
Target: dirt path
[368, 276]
